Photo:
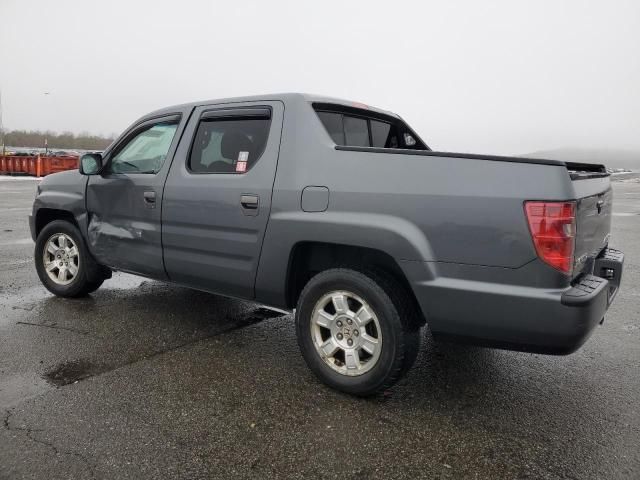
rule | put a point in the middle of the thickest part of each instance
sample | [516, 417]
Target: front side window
[228, 145]
[146, 151]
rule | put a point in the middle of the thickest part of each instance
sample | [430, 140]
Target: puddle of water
[26, 299]
[71, 371]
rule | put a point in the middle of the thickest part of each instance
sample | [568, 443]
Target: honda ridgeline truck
[340, 212]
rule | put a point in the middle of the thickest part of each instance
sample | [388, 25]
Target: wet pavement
[148, 380]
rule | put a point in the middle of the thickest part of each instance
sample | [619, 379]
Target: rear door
[217, 198]
[123, 202]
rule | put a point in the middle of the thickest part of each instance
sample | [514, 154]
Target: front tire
[63, 263]
[359, 333]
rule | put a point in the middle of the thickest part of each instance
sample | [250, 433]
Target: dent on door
[117, 235]
[100, 231]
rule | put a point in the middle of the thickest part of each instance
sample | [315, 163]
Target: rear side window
[333, 123]
[384, 135]
[228, 145]
[356, 131]
[354, 128]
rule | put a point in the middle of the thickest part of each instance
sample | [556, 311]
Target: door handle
[250, 202]
[149, 198]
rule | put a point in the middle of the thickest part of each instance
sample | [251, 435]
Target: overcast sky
[505, 77]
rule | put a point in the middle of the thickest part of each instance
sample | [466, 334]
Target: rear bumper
[555, 321]
[604, 281]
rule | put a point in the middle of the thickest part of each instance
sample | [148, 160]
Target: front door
[124, 201]
[217, 198]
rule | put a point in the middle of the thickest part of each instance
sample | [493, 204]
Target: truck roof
[286, 98]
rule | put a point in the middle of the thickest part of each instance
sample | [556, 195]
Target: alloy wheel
[346, 333]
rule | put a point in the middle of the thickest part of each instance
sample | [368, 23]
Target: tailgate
[593, 215]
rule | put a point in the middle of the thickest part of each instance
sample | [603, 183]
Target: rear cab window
[357, 127]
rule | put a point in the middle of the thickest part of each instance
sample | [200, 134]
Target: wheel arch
[45, 215]
[307, 258]
[395, 239]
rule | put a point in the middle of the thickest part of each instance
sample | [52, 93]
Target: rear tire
[358, 332]
[63, 263]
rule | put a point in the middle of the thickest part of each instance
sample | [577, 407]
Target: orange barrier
[37, 166]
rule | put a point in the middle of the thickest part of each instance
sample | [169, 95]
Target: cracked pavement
[148, 380]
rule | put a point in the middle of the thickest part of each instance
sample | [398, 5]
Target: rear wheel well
[310, 258]
[48, 215]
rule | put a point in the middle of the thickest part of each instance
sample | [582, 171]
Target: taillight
[553, 230]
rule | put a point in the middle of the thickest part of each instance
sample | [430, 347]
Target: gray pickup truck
[339, 211]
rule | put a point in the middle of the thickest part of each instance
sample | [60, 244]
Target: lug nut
[339, 336]
[339, 323]
[349, 342]
[349, 321]
[356, 333]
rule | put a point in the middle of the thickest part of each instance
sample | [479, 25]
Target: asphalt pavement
[148, 380]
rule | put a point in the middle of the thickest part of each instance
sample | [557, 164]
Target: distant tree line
[64, 140]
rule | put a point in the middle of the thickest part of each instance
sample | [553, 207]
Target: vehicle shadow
[83, 337]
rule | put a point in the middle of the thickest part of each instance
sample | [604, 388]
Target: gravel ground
[147, 380]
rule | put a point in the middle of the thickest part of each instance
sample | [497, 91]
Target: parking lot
[149, 380]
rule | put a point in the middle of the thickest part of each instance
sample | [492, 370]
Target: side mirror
[90, 163]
